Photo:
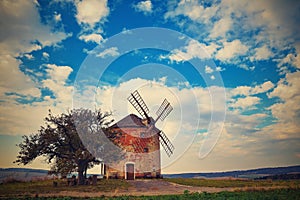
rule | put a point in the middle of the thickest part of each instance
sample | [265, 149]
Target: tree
[72, 142]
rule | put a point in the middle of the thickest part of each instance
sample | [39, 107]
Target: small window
[143, 135]
[146, 150]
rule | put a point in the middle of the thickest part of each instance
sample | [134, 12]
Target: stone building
[140, 142]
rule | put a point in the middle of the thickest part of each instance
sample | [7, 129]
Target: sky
[230, 69]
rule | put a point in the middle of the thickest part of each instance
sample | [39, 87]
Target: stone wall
[141, 148]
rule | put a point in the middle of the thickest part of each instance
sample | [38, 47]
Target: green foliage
[186, 192]
[278, 194]
[59, 140]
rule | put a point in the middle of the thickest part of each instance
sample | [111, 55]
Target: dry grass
[32, 188]
[236, 183]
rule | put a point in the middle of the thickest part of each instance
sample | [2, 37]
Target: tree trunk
[80, 174]
[85, 172]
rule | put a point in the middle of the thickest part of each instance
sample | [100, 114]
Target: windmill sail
[166, 143]
[138, 103]
[164, 110]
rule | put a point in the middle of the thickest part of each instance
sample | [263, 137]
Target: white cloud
[241, 145]
[286, 19]
[29, 56]
[178, 56]
[266, 86]
[58, 73]
[193, 10]
[46, 55]
[297, 57]
[246, 67]
[288, 90]
[97, 38]
[241, 132]
[144, 6]
[57, 82]
[242, 99]
[113, 51]
[266, 16]
[90, 12]
[19, 33]
[19, 119]
[194, 49]
[291, 59]
[262, 53]
[286, 111]
[221, 27]
[208, 69]
[211, 48]
[219, 69]
[264, 26]
[247, 90]
[231, 50]
[245, 102]
[241, 90]
[238, 149]
[57, 17]
[242, 140]
[13, 80]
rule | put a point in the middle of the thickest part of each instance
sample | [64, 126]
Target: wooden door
[130, 171]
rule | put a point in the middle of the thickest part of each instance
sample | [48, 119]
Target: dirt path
[160, 187]
[150, 187]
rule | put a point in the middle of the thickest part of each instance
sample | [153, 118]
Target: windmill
[164, 110]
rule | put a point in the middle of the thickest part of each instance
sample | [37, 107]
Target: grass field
[254, 189]
[278, 194]
[235, 183]
[46, 186]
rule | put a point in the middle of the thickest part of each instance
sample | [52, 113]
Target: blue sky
[229, 68]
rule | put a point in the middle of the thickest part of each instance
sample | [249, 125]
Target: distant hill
[282, 176]
[23, 170]
[22, 174]
[291, 172]
[252, 173]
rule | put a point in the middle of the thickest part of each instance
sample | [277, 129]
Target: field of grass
[278, 194]
[46, 186]
[235, 183]
[253, 189]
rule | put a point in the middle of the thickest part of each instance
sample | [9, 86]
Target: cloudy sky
[230, 69]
